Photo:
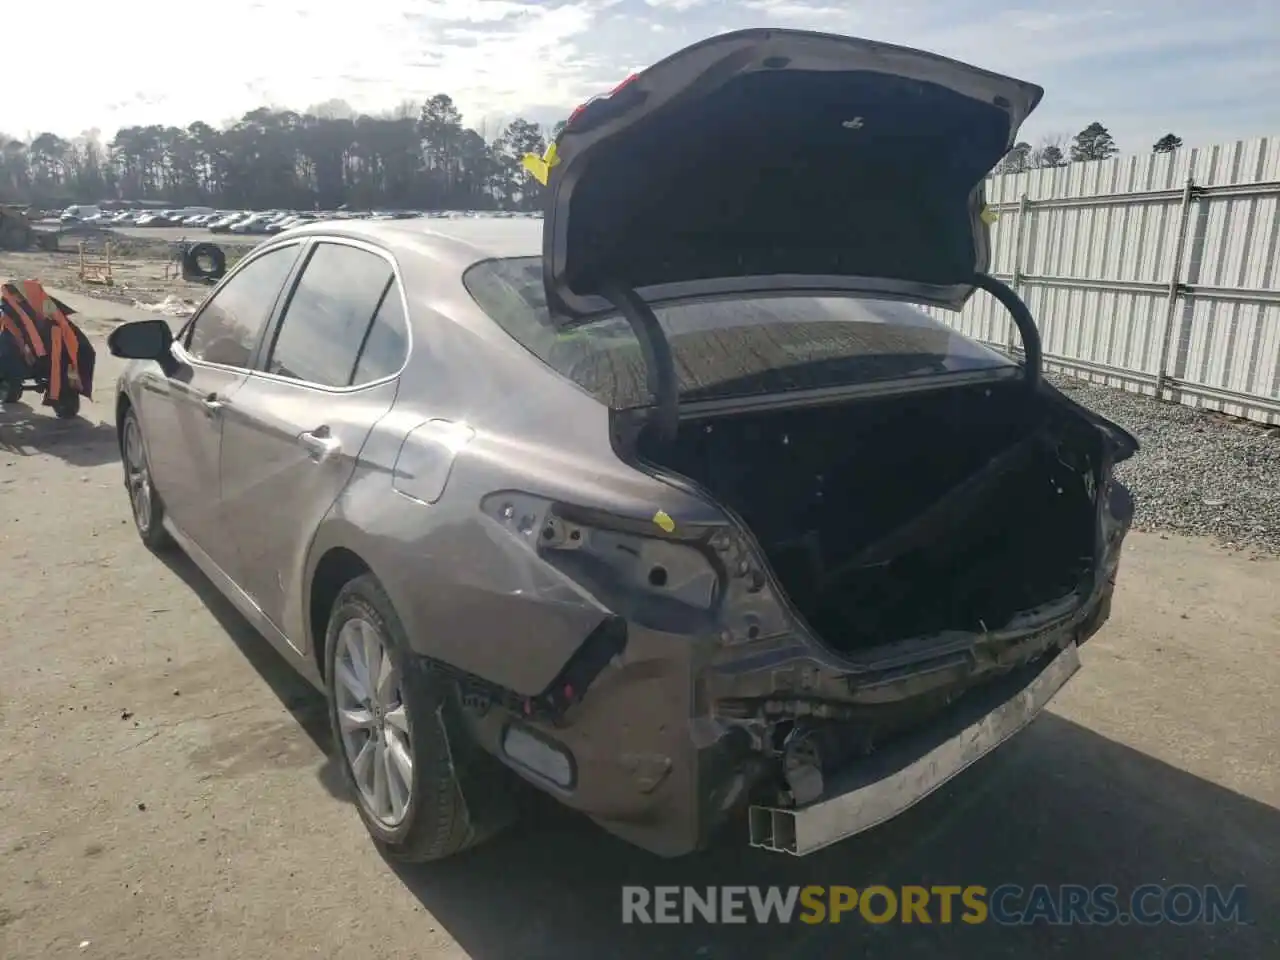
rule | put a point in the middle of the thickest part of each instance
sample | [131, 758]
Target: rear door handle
[320, 443]
[213, 403]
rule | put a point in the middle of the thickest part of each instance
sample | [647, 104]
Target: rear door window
[228, 327]
[387, 346]
[326, 326]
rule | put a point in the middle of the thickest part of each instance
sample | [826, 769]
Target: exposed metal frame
[904, 774]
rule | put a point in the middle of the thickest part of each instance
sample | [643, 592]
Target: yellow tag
[537, 167]
[989, 216]
[540, 166]
[663, 521]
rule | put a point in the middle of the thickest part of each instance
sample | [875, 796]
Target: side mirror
[141, 340]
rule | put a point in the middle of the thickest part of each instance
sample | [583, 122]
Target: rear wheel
[387, 718]
[148, 511]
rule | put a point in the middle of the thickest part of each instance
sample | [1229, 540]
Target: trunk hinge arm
[1022, 319]
[660, 368]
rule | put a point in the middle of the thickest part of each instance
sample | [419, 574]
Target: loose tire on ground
[144, 502]
[435, 823]
[193, 262]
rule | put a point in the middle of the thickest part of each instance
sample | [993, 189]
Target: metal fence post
[1175, 283]
[1016, 281]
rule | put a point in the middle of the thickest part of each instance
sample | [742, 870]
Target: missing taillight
[602, 107]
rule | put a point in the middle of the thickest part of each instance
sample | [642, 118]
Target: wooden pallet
[98, 272]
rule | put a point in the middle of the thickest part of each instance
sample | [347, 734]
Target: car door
[182, 413]
[295, 431]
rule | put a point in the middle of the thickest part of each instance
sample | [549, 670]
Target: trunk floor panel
[824, 490]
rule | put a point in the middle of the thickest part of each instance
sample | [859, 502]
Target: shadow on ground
[25, 430]
[301, 699]
[1059, 805]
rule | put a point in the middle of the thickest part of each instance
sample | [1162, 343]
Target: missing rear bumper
[894, 780]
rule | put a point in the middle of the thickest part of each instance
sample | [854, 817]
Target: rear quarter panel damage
[470, 592]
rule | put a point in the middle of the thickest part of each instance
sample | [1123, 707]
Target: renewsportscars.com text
[1006, 905]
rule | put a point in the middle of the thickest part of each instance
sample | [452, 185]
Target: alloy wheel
[137, 476]
[373, 721]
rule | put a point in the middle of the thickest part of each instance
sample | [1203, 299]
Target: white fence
[1159, 273]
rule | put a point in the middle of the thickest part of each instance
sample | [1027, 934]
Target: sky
[1207, 70]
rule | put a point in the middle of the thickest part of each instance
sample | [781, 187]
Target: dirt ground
[142, 266]
[166, 787]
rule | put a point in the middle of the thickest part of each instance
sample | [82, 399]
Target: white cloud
[1202, 67]
[137, 66]
[797, 12]
[677, 5]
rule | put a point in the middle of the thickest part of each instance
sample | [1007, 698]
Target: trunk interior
[899, 517]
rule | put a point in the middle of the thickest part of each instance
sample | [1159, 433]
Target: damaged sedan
[676, 504]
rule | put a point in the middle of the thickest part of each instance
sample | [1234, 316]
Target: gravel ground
[1198, 473]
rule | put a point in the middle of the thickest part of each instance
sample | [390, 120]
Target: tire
[10, 391]
[432, 823]
[193, 262]
[67, 405]
[144, 502]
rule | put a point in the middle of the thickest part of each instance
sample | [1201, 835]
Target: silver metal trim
[280, 243]
[807, 829]
[1171, 195]
[1242, 294]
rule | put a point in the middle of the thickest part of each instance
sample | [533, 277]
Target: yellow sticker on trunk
[663, 521]
[540, 166]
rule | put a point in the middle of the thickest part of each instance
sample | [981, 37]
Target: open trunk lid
[779, 161]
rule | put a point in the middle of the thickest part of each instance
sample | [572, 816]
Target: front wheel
[148, 511]
[10, 391]
[387, 715]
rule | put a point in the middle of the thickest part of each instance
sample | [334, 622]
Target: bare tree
[1050, 152]
[1017, 160]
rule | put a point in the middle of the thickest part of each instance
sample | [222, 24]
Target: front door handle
[213, 404]
[320, 443]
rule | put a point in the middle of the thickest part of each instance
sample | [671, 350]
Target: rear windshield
[729, 348]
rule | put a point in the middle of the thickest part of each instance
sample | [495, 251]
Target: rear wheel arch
[335, 569]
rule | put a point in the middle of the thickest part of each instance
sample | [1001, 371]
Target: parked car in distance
[224, 224]
[255, 223]
[79, 212]
[288, 222]
[675, 508]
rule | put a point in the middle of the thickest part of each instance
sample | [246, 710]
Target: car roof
[464, 240]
